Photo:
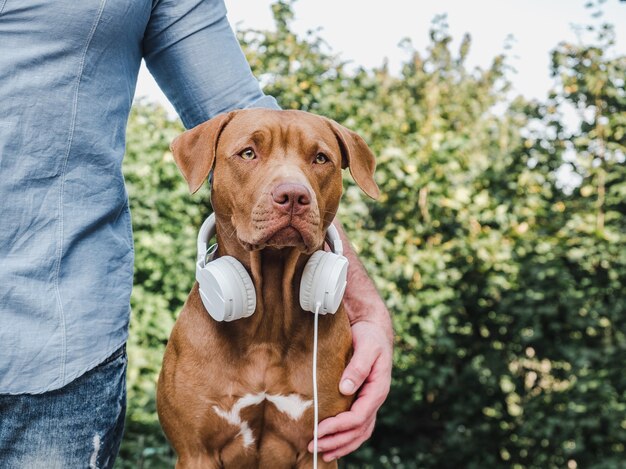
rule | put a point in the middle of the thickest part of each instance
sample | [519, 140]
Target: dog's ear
[194, 150]
[356, 155]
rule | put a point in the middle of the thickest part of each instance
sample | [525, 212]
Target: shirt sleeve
[192, 52]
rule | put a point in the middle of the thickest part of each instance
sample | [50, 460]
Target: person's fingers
[335, 440]
[338, 440]
[342, 422]
[363, 409]
[351, 445]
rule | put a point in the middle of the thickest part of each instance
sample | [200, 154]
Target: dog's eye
[321, 158]
[247, 154]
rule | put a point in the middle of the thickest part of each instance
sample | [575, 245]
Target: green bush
[506, 289]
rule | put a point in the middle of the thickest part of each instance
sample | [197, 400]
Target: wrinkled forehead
[272, 128]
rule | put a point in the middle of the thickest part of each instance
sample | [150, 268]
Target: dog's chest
[251, 415]
[267, 397]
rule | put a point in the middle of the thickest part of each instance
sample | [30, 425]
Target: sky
[368, 32]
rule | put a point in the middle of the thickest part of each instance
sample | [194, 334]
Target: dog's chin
[285, 237]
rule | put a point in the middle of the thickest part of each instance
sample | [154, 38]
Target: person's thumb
[357, 370]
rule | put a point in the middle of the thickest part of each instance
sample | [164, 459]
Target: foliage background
[498, 244]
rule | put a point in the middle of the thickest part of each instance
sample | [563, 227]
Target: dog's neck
[276, 275]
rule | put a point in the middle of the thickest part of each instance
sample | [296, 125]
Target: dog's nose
[291, 197]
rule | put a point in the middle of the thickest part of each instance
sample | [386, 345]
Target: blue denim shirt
[68, 71]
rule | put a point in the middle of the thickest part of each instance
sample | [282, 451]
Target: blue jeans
[77, 426]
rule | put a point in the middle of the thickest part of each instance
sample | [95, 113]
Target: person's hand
[370, 370]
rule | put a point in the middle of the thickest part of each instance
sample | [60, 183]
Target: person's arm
[193, 54]
[369, 370]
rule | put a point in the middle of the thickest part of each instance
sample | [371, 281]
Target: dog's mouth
[287, 235]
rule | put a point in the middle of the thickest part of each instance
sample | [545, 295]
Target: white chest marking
[292, 405]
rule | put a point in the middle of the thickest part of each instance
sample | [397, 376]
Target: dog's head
[277, 174]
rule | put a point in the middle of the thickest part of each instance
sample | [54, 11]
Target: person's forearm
[361, 299]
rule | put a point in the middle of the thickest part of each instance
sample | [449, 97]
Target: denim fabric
[68, 71]
[79, 425]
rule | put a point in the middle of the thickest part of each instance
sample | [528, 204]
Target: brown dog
[239, 394]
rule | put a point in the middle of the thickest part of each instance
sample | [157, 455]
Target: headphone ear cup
[307, 282]
[226, 289]
[324, 282]
[248, 293]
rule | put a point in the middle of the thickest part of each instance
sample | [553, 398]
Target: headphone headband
[208, 230]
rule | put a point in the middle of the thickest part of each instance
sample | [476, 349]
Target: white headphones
[227, 290]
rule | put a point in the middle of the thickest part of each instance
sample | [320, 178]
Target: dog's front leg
[305, 461]
[198, 461]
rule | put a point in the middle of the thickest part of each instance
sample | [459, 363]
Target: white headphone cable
[315, 402]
